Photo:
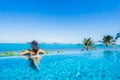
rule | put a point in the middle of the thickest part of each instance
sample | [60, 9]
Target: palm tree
[108, 40]
[117, 36]
[88, 44]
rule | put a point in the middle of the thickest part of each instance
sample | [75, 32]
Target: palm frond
[117, 36]
[100, 41]
[87, 43]
[113, 44]
[108, 40]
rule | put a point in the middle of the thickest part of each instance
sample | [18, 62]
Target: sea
[18, 47]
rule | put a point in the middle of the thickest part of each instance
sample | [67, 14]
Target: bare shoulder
[40, 50]
[25, 52]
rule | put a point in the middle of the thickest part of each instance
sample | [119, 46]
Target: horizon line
[49, 43]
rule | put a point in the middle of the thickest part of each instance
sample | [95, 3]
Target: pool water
[103, 65]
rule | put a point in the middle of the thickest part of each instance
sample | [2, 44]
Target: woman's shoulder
[41, 51]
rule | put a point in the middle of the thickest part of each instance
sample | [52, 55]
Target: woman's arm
[25, 52]
[42, 51]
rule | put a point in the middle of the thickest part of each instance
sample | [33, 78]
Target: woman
[34, 53]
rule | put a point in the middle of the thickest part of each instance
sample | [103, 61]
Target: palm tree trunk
[106, 46]
[87, 49]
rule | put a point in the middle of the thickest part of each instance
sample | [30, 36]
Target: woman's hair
[34, 45]
[35, 50]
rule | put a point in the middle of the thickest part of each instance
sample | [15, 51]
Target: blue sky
[63, 21]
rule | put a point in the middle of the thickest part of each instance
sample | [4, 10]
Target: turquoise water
[5, 47]
[95, 65]
[51, 47]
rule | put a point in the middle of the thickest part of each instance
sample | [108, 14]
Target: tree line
[107, 40]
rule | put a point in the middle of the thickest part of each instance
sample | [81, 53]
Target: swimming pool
[102, 65]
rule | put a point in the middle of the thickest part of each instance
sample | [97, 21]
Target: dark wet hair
[34, 45]
[35, 50]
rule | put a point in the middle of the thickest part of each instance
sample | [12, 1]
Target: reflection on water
[32, 64]
[104, 65]
[108, 55]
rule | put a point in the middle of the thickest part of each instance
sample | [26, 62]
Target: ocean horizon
[18, 47]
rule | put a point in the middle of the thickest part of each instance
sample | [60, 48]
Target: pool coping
[65, 53]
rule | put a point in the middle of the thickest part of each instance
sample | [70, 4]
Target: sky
[61, 21]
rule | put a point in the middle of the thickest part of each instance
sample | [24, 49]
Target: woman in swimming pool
[34, 53]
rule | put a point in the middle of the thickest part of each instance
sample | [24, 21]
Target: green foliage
[47, 52]
[23, 50]
[108, 41]
[88, 44]
[117, 36]
[9, 54]
[60, 51]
